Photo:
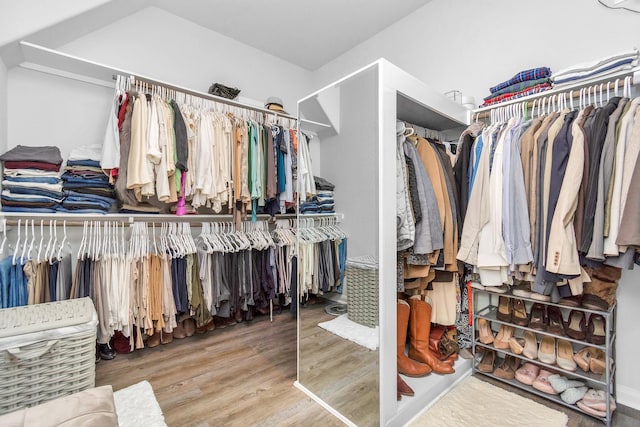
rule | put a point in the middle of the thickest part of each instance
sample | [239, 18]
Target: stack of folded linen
[31, 179]
[325, 201]
[597, 68]
[322, 201]
[522, 84]
[87, 189]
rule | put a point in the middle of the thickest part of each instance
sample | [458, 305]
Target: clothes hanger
[4, 235]
[33, 239]
[15, 251]
[25, 245]
[82, 241]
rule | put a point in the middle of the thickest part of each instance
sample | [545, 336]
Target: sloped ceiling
[308, 33]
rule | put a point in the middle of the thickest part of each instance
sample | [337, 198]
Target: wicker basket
[362, 290]
[46, 351]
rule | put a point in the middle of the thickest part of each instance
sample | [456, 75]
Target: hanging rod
[55, 62]
[610, 81]
[205, 95]
[196, 220]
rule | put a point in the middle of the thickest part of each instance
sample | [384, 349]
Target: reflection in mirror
[341, 124]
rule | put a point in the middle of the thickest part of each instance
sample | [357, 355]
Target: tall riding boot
[406, 366]
[419, 328]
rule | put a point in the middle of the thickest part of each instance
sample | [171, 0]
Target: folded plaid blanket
[532, 74]
[519, 87]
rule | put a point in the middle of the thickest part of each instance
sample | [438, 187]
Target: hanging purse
[443, 341]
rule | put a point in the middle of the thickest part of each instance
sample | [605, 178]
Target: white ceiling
[308, 33]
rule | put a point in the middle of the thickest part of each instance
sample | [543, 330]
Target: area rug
[476, 403]
[137, 406]
[352, 331]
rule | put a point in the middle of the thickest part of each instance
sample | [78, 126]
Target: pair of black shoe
[104, 352]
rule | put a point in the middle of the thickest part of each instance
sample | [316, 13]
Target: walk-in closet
[319, 213]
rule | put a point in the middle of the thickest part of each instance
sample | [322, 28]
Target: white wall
[51, 110]
[3, 107]
[21, 18]
[471, 45]
[162, 46]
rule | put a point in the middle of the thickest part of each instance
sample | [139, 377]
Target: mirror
[342, 121]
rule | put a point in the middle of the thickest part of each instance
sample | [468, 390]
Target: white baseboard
[627, 396]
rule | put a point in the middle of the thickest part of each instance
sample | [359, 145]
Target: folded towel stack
[87, 189]
[597, 68]
[322, 202]
[31, 179]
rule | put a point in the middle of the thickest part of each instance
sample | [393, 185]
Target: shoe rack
[500, 318]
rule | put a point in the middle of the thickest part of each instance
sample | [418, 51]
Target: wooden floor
[243, 375]
[340, 372]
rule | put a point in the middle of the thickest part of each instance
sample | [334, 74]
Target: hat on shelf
[274, 104]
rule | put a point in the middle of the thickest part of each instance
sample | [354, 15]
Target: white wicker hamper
[362, 290]
[46, 351]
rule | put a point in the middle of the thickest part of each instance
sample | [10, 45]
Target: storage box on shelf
[46, 351]
[602, 380]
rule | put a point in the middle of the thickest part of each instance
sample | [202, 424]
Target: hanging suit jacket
[562, 254]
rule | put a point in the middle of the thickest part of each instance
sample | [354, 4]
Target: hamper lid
[45, 317]
[364, 261]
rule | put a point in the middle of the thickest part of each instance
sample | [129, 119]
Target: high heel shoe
[547, 350]
[520, 316]
[538, 317]
[556, 322]
[530, 345]
[485, 332]
[487, 361]
[576, 327]
[565, 356]
[596, 329]
[504, 309]
[507, 369]
[502, 338]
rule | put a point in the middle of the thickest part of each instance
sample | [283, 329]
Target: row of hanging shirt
[549, 193]
[427, 206]
[34, 270]
[322, 256]
[166, 147]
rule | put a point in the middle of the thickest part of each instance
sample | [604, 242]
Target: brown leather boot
[178, 331]
[419, 328]
[403, 388]
[166, 337]
[189, 325]
[153, 340]
[407, 366]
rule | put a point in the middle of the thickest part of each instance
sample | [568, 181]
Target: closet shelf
[490, 313]
[549, 303]
[43, 59]
[633, 72]
[598, 379]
